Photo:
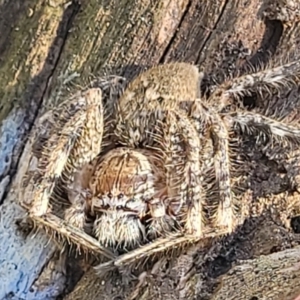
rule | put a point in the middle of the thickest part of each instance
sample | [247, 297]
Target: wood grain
[51, 48]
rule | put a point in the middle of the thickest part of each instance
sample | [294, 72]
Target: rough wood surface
[272, 276]
[49, 48]
[278, 272]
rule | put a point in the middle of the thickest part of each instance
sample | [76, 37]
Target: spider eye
[109, 195]
[120, 196]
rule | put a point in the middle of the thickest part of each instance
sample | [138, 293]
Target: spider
[133, 174]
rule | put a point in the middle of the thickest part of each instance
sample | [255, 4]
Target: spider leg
[259, 79]
[181, 150]
[69, 147]
[225, 213]
[270, 77]
[72, 234]
[210, 123]
[75, 139]
[79, 195]
[156, 247]
[169, 243]
[250, 122]
[190, 190]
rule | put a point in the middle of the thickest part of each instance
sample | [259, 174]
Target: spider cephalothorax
[149, 183]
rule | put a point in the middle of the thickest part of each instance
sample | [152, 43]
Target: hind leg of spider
[252, 122]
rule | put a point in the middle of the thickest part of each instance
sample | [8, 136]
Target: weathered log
[264, 276]
[267, 277]
[48, 49]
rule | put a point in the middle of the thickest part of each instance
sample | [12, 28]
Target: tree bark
[51, 48]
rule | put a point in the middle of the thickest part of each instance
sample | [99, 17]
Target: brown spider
[136, 172]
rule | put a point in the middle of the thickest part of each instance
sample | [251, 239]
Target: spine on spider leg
[270, 77]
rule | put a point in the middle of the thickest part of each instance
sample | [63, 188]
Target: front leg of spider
[225, 213]
[185, 181]
[180, 206]
[75, 140]
[210, 125]
[69, 148]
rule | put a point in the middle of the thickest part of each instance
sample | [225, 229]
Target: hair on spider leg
[273, 76]
[251, 122]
